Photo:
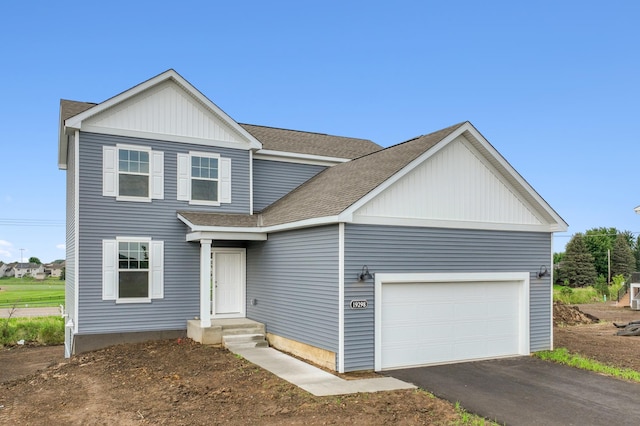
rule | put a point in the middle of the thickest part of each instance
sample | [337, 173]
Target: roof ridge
[304, 131]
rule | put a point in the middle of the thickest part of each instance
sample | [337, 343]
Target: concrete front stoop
[228, 331]
[237, 341]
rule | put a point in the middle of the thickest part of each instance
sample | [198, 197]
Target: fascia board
[75, 122]
[347, 214]
[292, 157]
[504, 164]
[227, 236]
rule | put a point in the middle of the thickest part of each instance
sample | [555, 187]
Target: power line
[31, 222]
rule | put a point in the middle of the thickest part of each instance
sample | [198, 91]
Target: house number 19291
[359, 304]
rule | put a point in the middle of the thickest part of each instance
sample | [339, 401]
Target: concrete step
[234, 331]
[256, 340]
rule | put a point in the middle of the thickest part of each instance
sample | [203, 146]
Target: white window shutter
[157, 175]
[109, 171]
[157, 269]
[225, 180]
[109, 269]
[184, 177]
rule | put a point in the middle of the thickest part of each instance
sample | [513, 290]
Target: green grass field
[28, 292]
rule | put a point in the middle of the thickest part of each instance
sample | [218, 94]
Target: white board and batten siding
[456, 187]
[166, 110]
[426, 319]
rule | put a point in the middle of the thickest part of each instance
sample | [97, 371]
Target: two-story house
[34, 270]
[351, 255]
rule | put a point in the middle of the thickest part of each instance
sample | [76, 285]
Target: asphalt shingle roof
[221, 219]
[311, 143]
[335, 189]
[69, 108]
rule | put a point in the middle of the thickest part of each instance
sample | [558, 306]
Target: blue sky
[552, 85]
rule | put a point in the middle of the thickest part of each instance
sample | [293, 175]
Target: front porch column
[205, 283]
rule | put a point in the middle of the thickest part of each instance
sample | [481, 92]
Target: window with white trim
[132, 173]
[204, 178]
[132, 269]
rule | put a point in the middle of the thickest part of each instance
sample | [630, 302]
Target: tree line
[596, 256]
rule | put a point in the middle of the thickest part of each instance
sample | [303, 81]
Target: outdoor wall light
[364, 274]
[543, 272]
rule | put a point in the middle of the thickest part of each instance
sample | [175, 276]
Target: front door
[228, 283]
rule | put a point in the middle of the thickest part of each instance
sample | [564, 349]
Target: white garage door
[426, 319]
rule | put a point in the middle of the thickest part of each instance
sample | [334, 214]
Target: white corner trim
[76, 232]
[341, 300]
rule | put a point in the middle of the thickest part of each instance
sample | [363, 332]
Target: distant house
[29, 269]
[3, 268]
[53, 269]
[352, 255]
[8, 271]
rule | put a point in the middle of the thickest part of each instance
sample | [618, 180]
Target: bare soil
[184, 383]
[180, 382]
[599, 340]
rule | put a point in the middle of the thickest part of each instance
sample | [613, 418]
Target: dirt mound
[570, 315]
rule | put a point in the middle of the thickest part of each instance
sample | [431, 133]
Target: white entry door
[228, 286]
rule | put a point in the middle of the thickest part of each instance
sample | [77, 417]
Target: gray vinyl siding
[293, 277]
[70, 262]
[105, 218]
[391, 249]
[274, 179]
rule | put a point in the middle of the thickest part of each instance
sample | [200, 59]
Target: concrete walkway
[312, 379]
[29, 312]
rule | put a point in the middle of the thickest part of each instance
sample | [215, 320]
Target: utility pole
[21, 258]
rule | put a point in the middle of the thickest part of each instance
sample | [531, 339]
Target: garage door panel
[440, 322]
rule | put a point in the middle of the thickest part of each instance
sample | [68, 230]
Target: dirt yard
[183, 383]
[598, 340]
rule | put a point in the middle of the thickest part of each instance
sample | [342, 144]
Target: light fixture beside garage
[543, 272]
[365, 274]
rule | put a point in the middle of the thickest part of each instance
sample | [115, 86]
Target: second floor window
[133, 173]
[204, 178]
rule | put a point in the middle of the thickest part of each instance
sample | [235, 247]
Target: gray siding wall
[70, 264]
[274, 179]
[390, 249]
[105, 218]
[293, 277]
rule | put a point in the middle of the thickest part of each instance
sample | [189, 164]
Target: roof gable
[456, 184]
[166, 107]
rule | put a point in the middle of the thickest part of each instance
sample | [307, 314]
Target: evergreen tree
[623, 261]
[599, 242]
[578, 264]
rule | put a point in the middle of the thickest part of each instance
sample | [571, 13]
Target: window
[132, 173]
[132, 269]
[204, 178]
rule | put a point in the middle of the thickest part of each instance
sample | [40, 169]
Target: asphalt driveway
[529, 391]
